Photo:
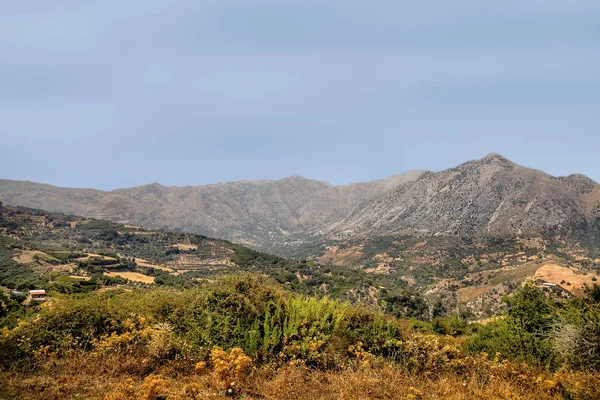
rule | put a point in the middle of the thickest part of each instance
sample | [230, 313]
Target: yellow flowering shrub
[364, 358]
[414, 394]
[151, 390]
[137, 333]
[229, 368]
[125, 391]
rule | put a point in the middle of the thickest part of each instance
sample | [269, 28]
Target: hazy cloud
[110, 94]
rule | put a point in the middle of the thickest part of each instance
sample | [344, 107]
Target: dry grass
[336, 256]
[382, 268]
[92, 255]
[132, 276]
[185, 247]
[468, 293]
[554, 273]
[549, 272]
[143, 263]
[81, 278]
[28, 256]
[515, 274]
[115, 378]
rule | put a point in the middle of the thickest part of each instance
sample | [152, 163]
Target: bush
[577, 332]
[229, 368]
[524, 332]
[508, 340]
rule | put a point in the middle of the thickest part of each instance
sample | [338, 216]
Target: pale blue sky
[113, 93]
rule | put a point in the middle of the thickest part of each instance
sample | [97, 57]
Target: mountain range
[487, 198]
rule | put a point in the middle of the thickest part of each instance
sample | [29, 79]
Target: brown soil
[337, 256]
[469, 293]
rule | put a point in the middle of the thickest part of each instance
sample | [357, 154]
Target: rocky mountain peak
[495, 158]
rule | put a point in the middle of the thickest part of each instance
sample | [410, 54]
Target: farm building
[37, 295]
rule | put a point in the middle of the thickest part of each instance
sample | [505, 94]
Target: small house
[37, 295]
[548, 284]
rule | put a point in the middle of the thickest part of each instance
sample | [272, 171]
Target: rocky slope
[251, 212]
[491, 197]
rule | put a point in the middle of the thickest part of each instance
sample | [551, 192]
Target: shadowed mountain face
[491, 197]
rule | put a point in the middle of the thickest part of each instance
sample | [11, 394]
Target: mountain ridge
[461, 198]
[489, 197]
[246, 211]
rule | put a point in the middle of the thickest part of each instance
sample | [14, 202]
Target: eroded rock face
[490, 197]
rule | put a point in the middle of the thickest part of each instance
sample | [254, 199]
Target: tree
[593, 293]
[530, 310]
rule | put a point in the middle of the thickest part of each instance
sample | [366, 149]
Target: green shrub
[524, 332]
[504, 337]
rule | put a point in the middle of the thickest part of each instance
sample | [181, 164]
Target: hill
[405, 276]
[72, 254]
[133, 313]
[492, 198]
[254, 213]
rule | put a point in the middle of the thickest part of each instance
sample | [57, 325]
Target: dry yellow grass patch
[466, 294]
[534, 243]
[555, 273]
[132, 276]
[192, 262]
[143, 263]
[382, 268]
[384, 258]
[28, 256]
[92, 255]
[290, 382]
[185, 247]
[498, 276]
[337, 256]
[64, 268]
[486, 321]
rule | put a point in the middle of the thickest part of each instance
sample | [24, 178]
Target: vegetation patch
[243, 336]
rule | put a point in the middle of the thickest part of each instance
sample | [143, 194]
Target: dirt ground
[28, 256]
[337, 256]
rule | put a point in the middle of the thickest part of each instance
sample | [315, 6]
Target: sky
[112, 94]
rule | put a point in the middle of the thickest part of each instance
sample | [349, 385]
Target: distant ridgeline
[476, 203]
